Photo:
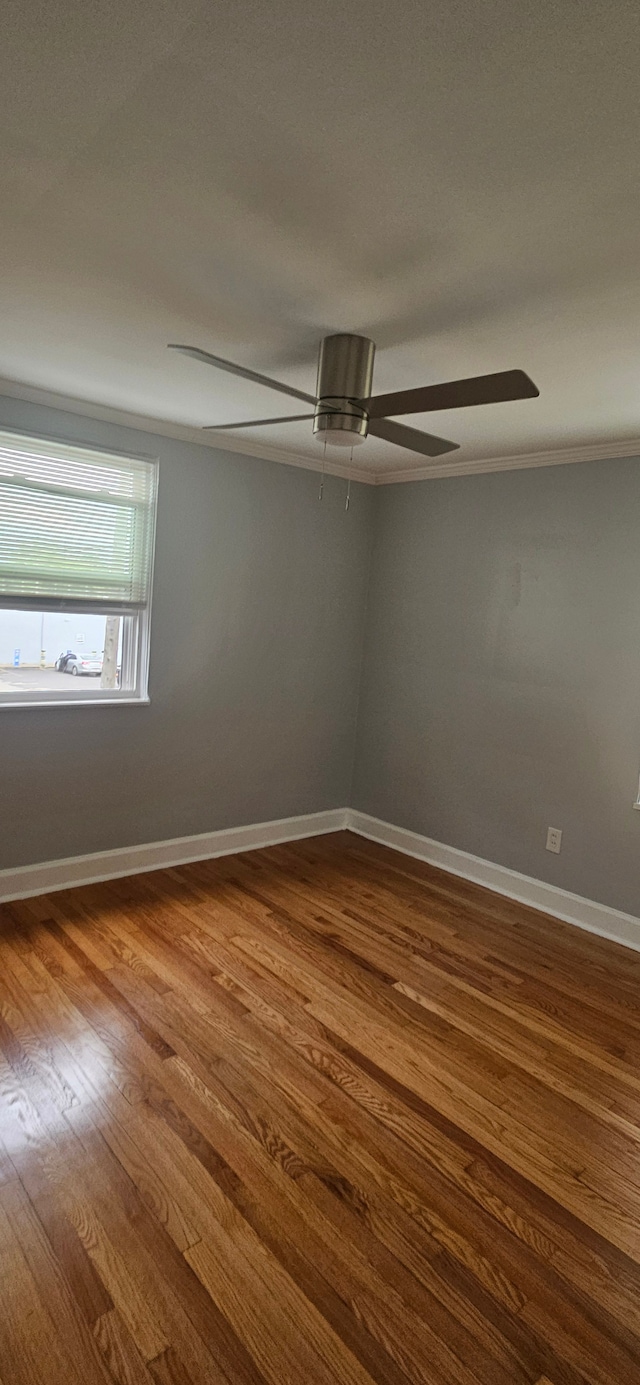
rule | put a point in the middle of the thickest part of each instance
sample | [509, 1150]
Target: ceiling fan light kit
[345, 411]
[345, 378]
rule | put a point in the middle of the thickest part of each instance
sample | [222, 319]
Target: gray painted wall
[500, 687]
[501, 679]
[258, 603]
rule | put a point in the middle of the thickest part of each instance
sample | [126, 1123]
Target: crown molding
[182, 432]
[430, 471]
[559, 456]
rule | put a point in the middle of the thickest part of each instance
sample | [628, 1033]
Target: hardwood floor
[314, 1114]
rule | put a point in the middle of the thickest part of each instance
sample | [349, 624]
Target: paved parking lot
[45, 680]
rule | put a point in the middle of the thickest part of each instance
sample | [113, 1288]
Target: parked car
[90, 667]
[61, 661]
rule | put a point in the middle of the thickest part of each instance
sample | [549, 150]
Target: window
[76, 555]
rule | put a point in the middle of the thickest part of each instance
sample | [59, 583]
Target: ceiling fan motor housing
[345, 375]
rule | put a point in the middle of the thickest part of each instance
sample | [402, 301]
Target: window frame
[139, 636]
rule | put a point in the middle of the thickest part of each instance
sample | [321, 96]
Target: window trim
[138, 695]
[128, 700]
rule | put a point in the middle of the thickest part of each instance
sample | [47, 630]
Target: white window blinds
[76, 527]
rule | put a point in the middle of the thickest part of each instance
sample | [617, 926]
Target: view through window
[37, 647]
[76, 547]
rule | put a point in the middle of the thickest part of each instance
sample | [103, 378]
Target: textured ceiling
[457, 180]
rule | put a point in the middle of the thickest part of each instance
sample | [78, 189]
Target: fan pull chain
[346, 503]
[324, 457]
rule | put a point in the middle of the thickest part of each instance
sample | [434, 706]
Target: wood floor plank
[168, 1369]
[56, 1290]
[115, 1273]
[200, 1336]
[285, 1337]
[119, 1350]
[319, 1112]
[38, 1339]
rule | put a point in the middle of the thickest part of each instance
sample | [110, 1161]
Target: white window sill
[82, 702]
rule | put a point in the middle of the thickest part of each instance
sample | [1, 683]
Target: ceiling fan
[345, 411]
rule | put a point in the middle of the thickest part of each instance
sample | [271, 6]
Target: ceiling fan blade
[253, 423]
[246, 374]
[425, 443]
[454, 394]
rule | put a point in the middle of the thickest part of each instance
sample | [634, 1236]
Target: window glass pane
[77, 655]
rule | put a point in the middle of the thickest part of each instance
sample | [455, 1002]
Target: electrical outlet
[554, 839]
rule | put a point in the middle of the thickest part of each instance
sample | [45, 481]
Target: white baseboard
[571, 908]
[21, 882]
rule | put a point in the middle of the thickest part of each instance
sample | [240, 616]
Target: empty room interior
[320, 693]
